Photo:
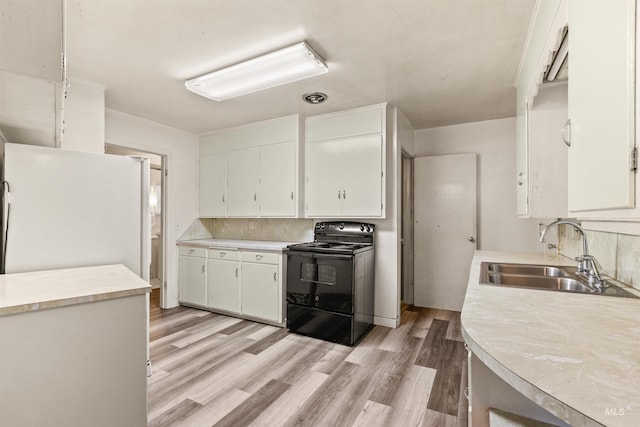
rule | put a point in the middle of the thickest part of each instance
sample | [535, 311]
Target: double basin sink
[544, 277]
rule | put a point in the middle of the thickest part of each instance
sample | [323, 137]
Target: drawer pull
[223, 254]
[191, 251]
[258, 257]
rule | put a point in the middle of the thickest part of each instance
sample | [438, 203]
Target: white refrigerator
[72, 209]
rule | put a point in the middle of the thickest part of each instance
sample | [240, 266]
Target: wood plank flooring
[214, 370]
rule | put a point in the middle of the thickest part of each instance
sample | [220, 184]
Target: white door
[260, 290]
[325, 170]
[243, 169]
[223, 285]
[445, 229]
[192, 280]
[213, 185]
[278, 180]
[601, 104]
[362, 176]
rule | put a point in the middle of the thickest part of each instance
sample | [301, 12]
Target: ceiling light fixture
[283, 66]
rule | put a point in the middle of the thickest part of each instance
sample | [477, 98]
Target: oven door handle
[320, 255]
[317, 281]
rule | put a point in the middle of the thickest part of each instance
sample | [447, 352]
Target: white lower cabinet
[192, 276]
[223, 280]
[244, 283]
[260, 287]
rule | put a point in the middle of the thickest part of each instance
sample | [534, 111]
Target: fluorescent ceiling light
[283, 66]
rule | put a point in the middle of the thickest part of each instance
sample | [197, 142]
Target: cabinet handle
[223, 254]
[223, 198]
[274, 277]
[191, 251]
[236, 271]
[565, 132]
[258, 257]
[338, 194]
[344, 194]
[203, 268]
[254, 197]
[292, 195]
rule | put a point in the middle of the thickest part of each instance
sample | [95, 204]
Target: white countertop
[576, 355]
[256, 245]
[22, 292]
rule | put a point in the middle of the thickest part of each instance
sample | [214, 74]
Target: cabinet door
[278, 180]
[213, 185]
[192, 280]
[362, 176]
[223, 285]
[522, 161]
[601, 104]
[242, 182]
[260, 296]
[323, 189]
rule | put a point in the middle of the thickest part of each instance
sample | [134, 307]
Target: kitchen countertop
[32, 291]
[576, 355]
[257, 245]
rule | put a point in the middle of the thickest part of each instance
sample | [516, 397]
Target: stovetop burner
[338, 237]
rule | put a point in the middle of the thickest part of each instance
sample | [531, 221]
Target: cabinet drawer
[260, 257]
[226, 254]
[190, 251]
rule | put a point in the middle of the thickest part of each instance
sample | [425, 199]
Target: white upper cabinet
[243, 177]
[213, 185]
[541, 155]
[601, 104]
[345, 164]
[277, 190]
[522, 161]
[252, 170]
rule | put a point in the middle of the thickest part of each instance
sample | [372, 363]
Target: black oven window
[320, 273]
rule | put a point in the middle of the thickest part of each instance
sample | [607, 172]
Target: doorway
[445, 229]
[157, 211]
[406, 229]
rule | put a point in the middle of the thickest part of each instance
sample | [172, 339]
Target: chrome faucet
[587, 264]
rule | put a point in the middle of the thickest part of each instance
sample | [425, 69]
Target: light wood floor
[210, 369]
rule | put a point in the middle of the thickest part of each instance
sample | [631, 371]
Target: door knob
[472, 239]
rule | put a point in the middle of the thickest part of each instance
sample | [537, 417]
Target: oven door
[320, 280]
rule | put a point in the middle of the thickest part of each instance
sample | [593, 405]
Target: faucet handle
[590, 266]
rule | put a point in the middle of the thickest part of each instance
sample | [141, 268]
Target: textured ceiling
[440, 62]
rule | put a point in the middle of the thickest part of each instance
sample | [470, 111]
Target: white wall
[494, 143]
[388, 250]
[181, 151]
[83, 118]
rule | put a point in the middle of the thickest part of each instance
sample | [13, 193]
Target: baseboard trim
[385, 321]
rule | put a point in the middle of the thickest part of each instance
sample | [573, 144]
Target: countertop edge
[40, 290]
[259, 245]
[530, 391]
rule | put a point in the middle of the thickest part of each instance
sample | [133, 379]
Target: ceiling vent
[314, 97]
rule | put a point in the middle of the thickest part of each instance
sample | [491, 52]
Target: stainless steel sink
[533, 270]
[543, 277]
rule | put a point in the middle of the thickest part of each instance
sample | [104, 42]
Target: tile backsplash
[619, 254]
[276, 229]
